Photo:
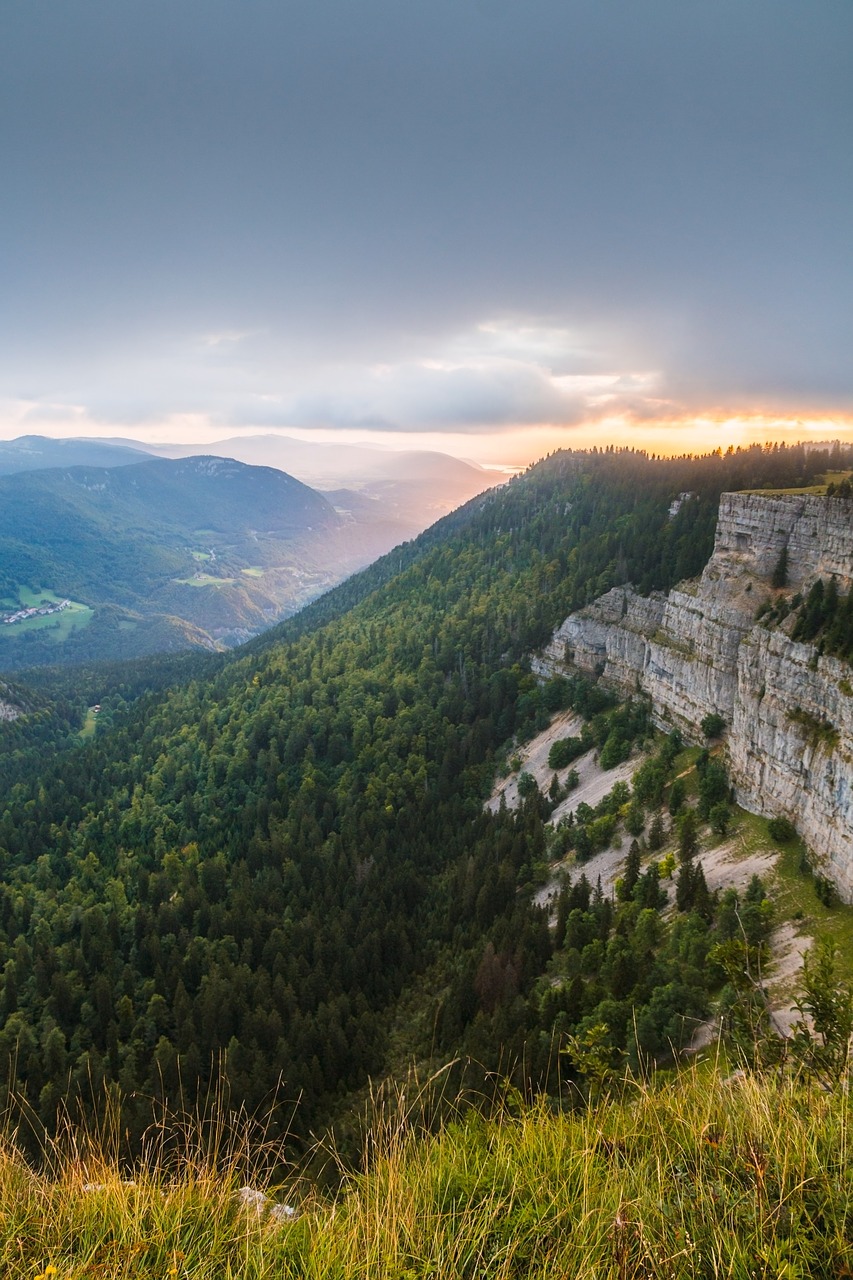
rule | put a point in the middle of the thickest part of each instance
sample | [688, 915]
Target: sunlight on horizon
[502, 449]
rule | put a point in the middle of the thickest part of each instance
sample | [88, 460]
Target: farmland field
[74, 617]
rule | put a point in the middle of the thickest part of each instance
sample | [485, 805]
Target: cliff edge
[700, 650]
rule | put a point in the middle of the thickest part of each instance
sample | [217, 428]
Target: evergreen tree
[677, 796]
[631, 874]
[657, 834]
[688, 835]
[780, 572]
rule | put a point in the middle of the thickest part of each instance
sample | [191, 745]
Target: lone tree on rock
[780, 573]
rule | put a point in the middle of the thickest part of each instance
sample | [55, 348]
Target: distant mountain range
[413, 488]
[409, 489]
[163, 553]
[35, 453]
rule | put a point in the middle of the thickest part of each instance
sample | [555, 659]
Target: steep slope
[700, 650]
[289, 863]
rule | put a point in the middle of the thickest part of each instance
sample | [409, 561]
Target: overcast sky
[496, 225]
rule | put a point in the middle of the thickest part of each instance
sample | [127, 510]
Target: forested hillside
[163, 555]
[286, 860]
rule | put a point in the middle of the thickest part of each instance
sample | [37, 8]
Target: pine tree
[688, 838]
[657, 834]
[632, 873]
[780, 573]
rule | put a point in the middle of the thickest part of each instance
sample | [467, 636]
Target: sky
[493, 227]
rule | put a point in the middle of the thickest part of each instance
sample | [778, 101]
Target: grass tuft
[698, 1175]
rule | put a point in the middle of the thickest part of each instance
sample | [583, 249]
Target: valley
[131, 541]
[402, 831]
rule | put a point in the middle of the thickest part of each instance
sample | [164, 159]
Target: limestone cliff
[699, 649]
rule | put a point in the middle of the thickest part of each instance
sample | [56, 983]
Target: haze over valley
[157, 556]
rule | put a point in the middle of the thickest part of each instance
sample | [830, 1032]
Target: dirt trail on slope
[594, 783]
[732, 865]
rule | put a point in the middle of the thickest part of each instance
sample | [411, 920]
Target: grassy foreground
[696, 1177]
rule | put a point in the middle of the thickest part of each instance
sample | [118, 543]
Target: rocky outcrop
[9, 710]
[753, 530]
[700, 650]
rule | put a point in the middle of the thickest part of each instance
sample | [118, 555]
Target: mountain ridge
[77, 530]
[28, 453]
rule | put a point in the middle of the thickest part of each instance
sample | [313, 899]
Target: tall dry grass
[696, 1176]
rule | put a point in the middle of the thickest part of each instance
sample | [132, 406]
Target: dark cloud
[207, 203]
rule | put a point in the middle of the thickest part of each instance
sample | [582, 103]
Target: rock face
[9, 710]
[753, 530]
[700, 650]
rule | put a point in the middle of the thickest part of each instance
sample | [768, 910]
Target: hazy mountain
[35, 453]
[385, 496]
[212, 549]
[411, 488]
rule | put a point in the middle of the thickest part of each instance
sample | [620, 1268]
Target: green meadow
[60, 625]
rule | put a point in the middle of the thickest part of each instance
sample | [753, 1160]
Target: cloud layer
[445, 217]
